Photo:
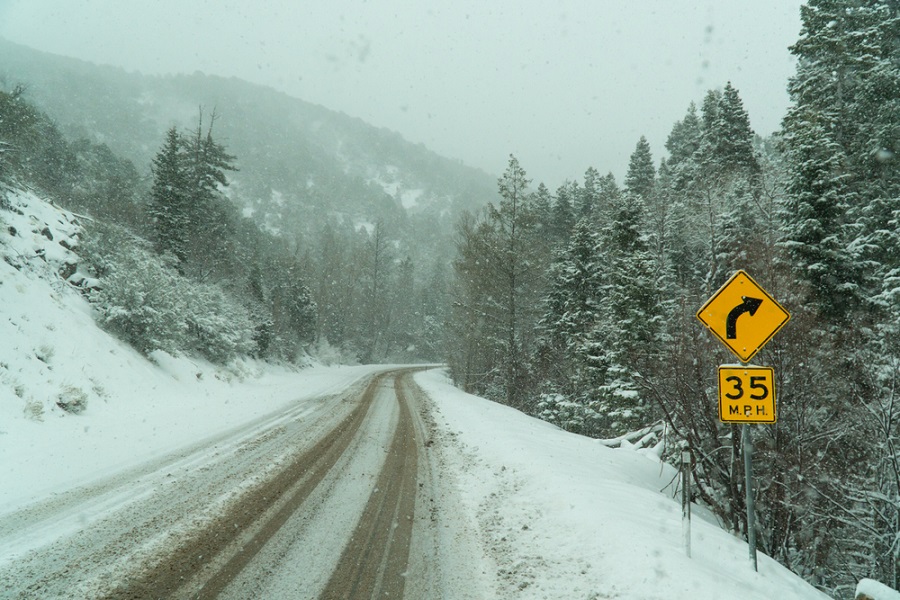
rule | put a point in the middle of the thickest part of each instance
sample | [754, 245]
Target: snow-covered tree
[589, 196]
[378, 267]
[840, 138]
[633, 319]
[641, 175]
[542, 205]
[500, 270]
[191, 219]
[169, 200]
[563, 212]
[571, 361]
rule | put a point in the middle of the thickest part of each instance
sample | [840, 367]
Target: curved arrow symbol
[749, 305]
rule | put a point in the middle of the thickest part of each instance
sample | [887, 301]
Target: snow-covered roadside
[565, 517]
[142, 417]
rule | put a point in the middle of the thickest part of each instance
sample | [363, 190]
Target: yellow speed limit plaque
[746, 394]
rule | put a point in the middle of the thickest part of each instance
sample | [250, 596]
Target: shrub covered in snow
[143, 299]
[72, 400]
[33, 410]
[218, 327]
[139, 301]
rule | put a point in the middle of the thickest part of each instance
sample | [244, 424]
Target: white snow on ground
[559, 515]
[392, 186]
[566, 517]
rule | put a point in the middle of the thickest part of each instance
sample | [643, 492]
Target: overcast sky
[563, 84]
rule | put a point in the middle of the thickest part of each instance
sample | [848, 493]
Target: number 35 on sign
[746, 394]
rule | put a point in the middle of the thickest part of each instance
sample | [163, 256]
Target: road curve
[321, 502]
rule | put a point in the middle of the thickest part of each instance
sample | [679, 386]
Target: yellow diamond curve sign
[743, 316]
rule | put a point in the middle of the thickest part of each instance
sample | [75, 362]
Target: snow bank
[566, 517]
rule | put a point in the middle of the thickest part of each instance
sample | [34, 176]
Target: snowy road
[324, 499]
[380, 490]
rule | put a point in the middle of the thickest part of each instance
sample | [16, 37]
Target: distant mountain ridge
[299, 163]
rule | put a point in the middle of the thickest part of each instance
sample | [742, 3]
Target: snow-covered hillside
[121, 408]
[552, 514]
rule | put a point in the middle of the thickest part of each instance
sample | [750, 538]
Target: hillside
[299, 163]
[76, 401]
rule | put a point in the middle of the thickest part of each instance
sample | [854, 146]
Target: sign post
[747, 441]
[686, 499]
[744, 317]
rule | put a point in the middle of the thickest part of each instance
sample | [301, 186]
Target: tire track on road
[206, 563]
[374, 563]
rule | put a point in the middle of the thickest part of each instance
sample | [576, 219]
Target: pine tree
[293, 309]
[830, 155]
[378, 263]
[563, 215]
[678, 190]
[589, 197]
[607, 195]
[211, 216]
[259, 308]
[570, 357]
[168, 208]
[841, 189]
[732, 143]
[512, 222]
[709, 119]
[711, 188]
[632, 323]
[733, 159]
[641, 174]
[684, 140]
[542, 206]
[500, 269]
[191, 218]
[662, 223]
[573, 304]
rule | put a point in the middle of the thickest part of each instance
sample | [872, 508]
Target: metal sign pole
[686, 500]
[747, 440]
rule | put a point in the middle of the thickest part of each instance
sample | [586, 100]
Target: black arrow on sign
[748, 305]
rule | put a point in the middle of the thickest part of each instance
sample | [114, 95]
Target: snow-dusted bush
[33, 410]
[218, 327]
[139, 301]
[143, 299]
[327, 354]
[577, 416]
[72, 400]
